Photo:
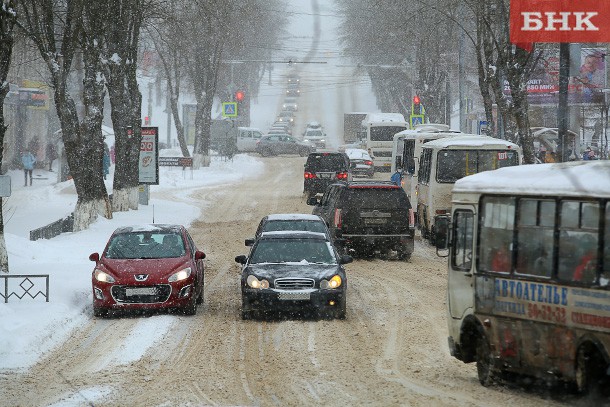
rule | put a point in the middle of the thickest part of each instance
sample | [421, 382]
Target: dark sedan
[148, 267]
[275, 144]
[293, 272]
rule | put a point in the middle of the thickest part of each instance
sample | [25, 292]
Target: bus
[379, 129]
[444, 161]
[406, 149]
[529, 273]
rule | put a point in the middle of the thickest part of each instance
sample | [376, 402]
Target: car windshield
[377, 198]
[297, 225]
[325, 162]
[145, 245]
[292, 251]
[314, 133]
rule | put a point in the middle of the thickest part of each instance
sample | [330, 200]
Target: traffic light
[240, 95]
[416, 107]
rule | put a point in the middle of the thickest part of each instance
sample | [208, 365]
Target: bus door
[461, 262]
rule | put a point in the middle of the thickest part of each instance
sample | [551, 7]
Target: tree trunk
[7, 22]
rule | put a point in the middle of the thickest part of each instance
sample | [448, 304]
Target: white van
[247, 137]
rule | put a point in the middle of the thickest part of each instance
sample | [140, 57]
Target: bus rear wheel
[485, 362]
[591, 378]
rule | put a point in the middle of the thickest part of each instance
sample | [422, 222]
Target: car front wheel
[100, 312]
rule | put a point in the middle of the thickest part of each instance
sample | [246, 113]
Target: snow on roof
[384, 117]
[468, 140]
[575, 178]
[357, 153]
[292, 216]
[293, 234]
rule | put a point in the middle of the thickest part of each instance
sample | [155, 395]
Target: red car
[148, 267]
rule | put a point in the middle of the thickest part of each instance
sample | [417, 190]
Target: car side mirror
[345, 259]
[249, 242]
[241, 259]
[313, 201]
[441, 232]
[199, 255]
[94, 257]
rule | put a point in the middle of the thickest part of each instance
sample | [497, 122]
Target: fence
[26, 287]
[54, 229]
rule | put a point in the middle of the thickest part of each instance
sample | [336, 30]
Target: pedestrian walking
[51, 154]
[106, 161]
[28, 160]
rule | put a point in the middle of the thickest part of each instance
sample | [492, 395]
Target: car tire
[341, 313]
[485, 361]
[403, 254]
[265, 152]
[191, 308]
[100, 312]
[200, 297]
[246, 315]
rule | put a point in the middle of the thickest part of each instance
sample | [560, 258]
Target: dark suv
[364, 216]
[322, 169]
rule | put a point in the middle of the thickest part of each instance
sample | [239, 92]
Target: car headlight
[103, 277]
[334, 282]
[181, 275]
[254, 282]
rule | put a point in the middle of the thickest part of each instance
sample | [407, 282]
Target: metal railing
[27, 287]
[54, 229]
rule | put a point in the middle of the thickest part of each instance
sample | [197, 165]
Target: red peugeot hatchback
[148, 267]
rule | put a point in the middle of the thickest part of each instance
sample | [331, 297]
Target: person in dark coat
[28, 160]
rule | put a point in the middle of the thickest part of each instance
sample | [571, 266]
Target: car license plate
[325, 176]
[140, 291]
[375, 221]
[296, 296]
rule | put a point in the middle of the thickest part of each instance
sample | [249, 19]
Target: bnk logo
[559, 21]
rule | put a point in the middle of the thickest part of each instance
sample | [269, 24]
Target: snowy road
[391, 349]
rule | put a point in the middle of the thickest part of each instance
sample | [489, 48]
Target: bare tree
[8, 17]
[500, 61]
[120, 35]
[56, 29]
[169, 46]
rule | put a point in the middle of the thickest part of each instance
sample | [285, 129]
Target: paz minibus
[529, 273]
[379, 129]
[406, 150]
[444, 161]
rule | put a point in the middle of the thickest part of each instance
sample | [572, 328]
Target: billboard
[555, 21]
[584, 86]
[148, 167]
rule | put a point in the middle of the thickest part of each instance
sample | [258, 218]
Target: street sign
[229, 109]
[416, 119]
[482, 126]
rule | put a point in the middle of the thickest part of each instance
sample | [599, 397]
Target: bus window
[578, 241]
[461, 258]
[535, 237]
[408, 156]
[424, 166]
[497, 220]
[605, 278]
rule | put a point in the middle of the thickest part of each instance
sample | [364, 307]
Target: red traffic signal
[240, 95]
[416, 100]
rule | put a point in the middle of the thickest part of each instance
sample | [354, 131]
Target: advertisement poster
[585, 83]
[148, 165]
